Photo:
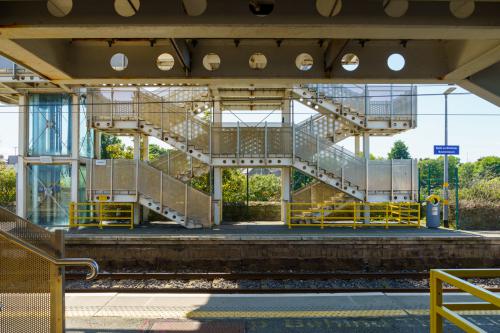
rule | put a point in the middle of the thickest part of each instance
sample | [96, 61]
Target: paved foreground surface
[305, 313]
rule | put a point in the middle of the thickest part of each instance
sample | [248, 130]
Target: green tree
[108, 140]
[487, 167]
[264, 187]
[233, 185]
[399, 151]
[300, 179]
[119, 151]
[467, 174]
[7, 185]
[431, 169]
[156, 151]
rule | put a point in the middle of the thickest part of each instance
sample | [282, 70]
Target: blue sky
[477, 134]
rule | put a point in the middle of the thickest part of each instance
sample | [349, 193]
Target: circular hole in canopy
[396, 62]
[211, 61]
[127, 8]
[194, 7]
[257, 61]
[462, 8]
[59, 8]
[395, 8]
[328, 8]
[165, 61]
[261, 8]
[304, 61]
[119, 62]
[350, 62]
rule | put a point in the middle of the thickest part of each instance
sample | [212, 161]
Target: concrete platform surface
[368, 312]
[264, 230]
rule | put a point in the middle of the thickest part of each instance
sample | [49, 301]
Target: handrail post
[161, 117]
[161, 191]
[436, 286]
[187, 128]
[265, 141]
[186, 203]
[136, 180]
[112, 104]
[111, 181]
[293, 142]
[238, 140]
[390, 107]
[57, 286]
[317, 156]
[392, 180]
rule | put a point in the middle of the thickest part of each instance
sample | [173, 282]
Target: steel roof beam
[233, 19]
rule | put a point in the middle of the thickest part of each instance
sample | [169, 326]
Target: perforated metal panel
[25, 297]
[27, 232]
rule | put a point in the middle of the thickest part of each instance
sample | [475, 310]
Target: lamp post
[445, 176]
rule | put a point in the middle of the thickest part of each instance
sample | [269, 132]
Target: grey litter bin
[433, 211]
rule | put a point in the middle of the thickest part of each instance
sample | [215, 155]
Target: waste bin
[433, 211]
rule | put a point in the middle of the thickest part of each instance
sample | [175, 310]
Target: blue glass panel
[86, 132]
[49, 194]
[49, 125]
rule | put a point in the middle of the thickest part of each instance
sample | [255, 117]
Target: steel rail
[253, 276]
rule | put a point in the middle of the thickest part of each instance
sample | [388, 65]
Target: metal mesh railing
[331, 158]
[31, 278]
[27, 231]
[395, 102]
[140, 178]
[252, 141]
[177, 164]
[25, 290]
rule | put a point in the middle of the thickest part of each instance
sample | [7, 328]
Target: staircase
[309, 147]
[151, 115]
[330, 127]
[330, 164]
[178, 165]
[137, 181]
[373, 108]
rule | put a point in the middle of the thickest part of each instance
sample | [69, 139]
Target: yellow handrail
[454, 277]
[353, 214]
[101, 214]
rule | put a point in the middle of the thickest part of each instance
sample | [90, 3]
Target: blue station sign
[446, 150]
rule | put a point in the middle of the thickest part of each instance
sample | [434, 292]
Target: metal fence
[101, 214]
[269, 140]
[32, 276]
[353, 214]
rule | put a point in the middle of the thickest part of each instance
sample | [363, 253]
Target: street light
[445, 177]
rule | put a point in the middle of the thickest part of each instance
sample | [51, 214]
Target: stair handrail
[90, 263]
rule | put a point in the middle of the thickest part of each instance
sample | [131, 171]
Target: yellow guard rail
[454, 277]
[352, 214]
[101, 214]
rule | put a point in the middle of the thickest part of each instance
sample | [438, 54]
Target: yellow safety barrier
[101, 214]
[454, 277]
[353, 214]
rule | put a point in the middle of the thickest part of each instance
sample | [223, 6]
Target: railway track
[252, 276]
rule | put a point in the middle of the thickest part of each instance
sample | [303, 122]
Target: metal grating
[25, 297]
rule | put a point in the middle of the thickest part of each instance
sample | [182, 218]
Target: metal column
[217, 196]
[366, 153]
[75, 147]
[21, 183]
[137, 157]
